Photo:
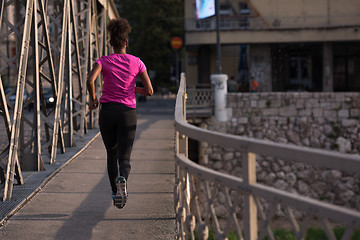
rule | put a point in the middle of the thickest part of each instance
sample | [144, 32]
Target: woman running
[118, 117]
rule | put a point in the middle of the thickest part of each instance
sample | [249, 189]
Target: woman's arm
[94, 73]
[147, 90]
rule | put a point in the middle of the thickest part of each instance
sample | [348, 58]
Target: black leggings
[117, 126]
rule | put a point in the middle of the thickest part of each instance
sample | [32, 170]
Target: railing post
[183, 140]
[250, 211]
[181, 181]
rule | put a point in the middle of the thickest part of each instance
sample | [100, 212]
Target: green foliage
[173, 89]
[339, 232]
[335, 133]
[315, 234]
[336, 130]
[232, 236]
[268, 103]
[284, 234]
[334, 146]
[332, 136]
[153, 23]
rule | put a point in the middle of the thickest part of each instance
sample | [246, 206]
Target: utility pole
[218, 45]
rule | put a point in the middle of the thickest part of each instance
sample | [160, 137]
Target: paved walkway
[76, 203]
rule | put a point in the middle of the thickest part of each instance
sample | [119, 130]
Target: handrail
[193, 180]
[324, 209]
[318, 157]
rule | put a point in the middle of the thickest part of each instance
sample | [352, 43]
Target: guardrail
[251, 207]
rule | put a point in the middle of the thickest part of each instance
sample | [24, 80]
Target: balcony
[245, 22]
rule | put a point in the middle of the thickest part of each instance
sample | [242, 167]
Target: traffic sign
[176, 42]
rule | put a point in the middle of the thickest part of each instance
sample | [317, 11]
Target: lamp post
[219, 80]
[218, 46]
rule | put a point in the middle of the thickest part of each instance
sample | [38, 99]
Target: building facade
[284, 45]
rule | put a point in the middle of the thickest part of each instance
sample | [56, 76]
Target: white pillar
[219, 81]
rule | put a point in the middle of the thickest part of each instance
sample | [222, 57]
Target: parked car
[49, 99]
[12, 97]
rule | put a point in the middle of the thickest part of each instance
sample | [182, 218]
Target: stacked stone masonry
[318, 120]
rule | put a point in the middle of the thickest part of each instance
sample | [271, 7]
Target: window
[225, 10]
[244, 8]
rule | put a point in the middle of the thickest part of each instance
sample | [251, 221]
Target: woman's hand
[147, 90]
[95, 71]
[93, 104]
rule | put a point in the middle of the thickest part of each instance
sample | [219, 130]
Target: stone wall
[318, 120]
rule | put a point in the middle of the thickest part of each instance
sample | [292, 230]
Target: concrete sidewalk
[76, 203]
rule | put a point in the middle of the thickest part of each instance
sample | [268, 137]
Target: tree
[154, 23]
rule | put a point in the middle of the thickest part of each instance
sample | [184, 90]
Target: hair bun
[119, 25]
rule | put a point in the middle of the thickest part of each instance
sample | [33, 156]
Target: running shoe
[121, 196]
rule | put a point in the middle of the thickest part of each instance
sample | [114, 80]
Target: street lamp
[218, 45]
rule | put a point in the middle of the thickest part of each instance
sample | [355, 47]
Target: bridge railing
[251, 208]
[199, 102]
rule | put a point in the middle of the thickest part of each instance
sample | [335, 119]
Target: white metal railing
[258, 203]
[199, 102]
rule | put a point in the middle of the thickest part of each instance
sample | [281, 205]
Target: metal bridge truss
[250, 210]
[54, 45]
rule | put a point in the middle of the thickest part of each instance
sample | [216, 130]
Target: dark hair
[119, 30]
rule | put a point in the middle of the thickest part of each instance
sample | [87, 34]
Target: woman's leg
[118, 127]
[125, 139]
[109, 136]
